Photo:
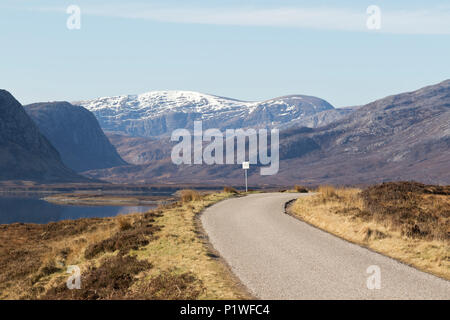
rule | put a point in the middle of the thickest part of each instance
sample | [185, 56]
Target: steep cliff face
[76, 134]
[25, 154]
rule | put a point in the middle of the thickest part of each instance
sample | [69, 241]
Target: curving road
[279, 257]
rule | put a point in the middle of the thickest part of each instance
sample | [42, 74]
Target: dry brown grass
[179, 249]
[190, 195]
[406, 221]
[156, 255]
[111, 280]
[169, 285]
[123, 222]
[300, 189]
[414, 209]
[137, 235]
[230, 190]
[327, 193]
[31, 254]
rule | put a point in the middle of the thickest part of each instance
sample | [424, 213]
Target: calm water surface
[30, 210]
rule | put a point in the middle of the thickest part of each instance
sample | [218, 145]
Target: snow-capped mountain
[157, 113]
[401, 137]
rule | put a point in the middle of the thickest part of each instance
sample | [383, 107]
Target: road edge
[203, 236]
[288, 211]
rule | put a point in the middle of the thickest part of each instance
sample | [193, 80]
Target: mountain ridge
[25, 153]
[75, 133]
[399, 137]
[157, 113]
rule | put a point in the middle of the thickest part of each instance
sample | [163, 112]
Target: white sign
[245, 165]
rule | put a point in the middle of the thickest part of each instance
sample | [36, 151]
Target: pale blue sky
[249, 50]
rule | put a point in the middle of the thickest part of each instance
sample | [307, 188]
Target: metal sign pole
[246, 166]
[246, 187]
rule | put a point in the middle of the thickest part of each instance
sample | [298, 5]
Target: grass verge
[155, 255]
[406, 221]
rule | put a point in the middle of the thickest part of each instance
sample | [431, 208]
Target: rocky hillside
[158, 113]
[140, 150]
[319, 119]
[76, 134]
[25, 154]
[400, 137]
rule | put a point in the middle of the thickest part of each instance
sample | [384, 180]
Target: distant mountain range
[158, 113]
[25, 154]
[76, 134]
[400, 137]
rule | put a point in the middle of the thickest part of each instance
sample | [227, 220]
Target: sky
[247, 49]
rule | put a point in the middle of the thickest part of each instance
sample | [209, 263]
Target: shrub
[46, 269]
[300, 189]
[415, 209]
[138, 235]
[327, 192]
[124, 223]
[123, 241]
[190, 195]
[229, 190]
[111, 280]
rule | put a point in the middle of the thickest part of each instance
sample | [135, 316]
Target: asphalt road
[279, 257]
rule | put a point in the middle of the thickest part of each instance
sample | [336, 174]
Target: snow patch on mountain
[156, 113]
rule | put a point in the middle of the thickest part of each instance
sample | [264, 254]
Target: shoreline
[108, 200]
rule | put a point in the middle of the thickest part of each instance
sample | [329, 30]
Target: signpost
[246, 166]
